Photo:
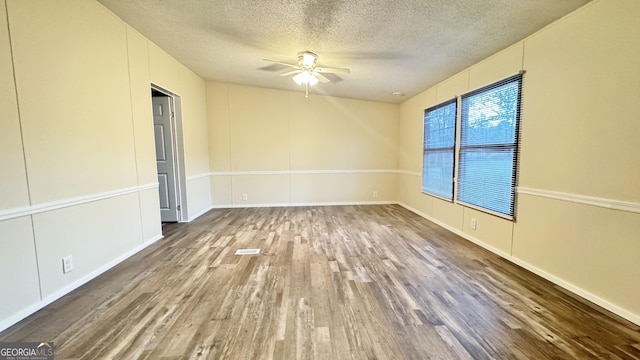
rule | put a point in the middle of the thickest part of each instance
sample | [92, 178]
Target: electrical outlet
[375, 194]
[245, 197]
[474, 223]
[67, 264]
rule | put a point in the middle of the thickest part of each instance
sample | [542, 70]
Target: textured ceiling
[405, 46]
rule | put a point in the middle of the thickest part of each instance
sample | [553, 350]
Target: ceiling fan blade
[333, 70]
[321, 77]
[290, 72]
[282, 63]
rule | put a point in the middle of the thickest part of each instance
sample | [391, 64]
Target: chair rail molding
[59, 204]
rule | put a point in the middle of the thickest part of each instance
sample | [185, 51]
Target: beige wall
[76, 139]
[578, 210]
[68, 117]
[13, 192]
[281, 148]
[18, 257]
[581, 129]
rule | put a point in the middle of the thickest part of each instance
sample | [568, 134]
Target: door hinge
[173, 116]
[178, 208]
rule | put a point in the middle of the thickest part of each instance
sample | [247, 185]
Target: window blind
[439, 147]
[489, 121]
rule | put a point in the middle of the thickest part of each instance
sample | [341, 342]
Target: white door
[163, 132]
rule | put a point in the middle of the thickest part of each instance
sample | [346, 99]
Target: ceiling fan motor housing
[307, 60]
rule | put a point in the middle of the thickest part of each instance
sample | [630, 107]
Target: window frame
[495, 146]
[458, 148]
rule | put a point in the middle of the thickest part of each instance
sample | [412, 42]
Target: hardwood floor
[348, 282]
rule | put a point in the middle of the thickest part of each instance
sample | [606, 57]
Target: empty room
[319, 179]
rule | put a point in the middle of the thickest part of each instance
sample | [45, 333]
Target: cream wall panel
[199, 196]
[506, 63]
[150, 214]
[409, 194]
[411, 130]
[73, 90]
[141, 107]
[406, 190]
[320, 135]
[19, 280]
[259, 128]
[221, 191]
[580, 103]
[219, 128]
[384, 184]
[343, 188]
[373, 135]
[93, 233]
[452, 87]
[261, 189]
[448, 213]
[593, 248]
[13, 192]
[322, 188]
[194, 123]
[491, 230]
[164, 70]
[266, 130]
[324, 132]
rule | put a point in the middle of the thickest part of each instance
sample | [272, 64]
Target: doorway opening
[169, 149]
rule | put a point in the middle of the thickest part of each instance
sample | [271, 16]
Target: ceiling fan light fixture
[305, 77]
[301, 78]
[312, 80]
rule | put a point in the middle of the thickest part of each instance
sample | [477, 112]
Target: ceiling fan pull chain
[306, 90]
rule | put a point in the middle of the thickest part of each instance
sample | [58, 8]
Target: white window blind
[487, 168]
[439, 147]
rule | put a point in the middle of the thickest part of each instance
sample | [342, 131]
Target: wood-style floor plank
[344, 282]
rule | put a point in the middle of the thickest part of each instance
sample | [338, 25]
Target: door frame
[178, 153]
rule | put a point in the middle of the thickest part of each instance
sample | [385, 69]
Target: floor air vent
[247, 251]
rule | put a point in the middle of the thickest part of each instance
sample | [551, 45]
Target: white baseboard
[200, 213]
[624, 313]
[22, 314]
[303, 172]
[458, 232]
[240, 206]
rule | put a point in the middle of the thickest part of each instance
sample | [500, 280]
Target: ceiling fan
[307, 71]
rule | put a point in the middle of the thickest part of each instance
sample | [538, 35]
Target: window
[439, 146]
[485, 155]
[489, 121]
